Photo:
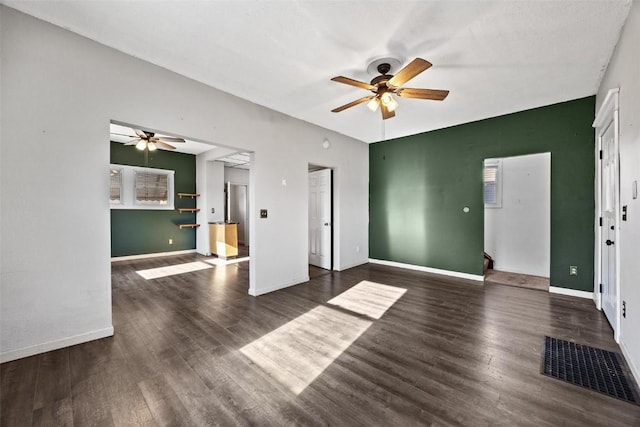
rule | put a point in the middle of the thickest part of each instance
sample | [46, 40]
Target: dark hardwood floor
[194, 349]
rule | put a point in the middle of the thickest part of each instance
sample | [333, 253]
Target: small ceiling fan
[385, 85]
[148, 140]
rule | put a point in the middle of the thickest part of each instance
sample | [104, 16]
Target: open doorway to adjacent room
[236, 187]
[320, 220]
[170, 214]
[517, 220]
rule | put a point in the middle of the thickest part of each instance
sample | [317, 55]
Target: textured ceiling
[495, 57]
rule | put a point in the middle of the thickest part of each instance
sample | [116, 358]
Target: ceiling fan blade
[352, 104]
[434, 94]
[133, 141]
[169, 139]
[351, 82]
[142, 134]
[386, 113]
[165, 146]
[412, 69]
[123, 134]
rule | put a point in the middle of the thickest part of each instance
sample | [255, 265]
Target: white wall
[623, 72]
[517, 235]
[215, 191]
[236, 176]
[59, 93]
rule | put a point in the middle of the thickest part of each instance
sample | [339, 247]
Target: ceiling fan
[385, 85]
[148, 140]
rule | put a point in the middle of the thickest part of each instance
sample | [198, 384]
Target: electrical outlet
[573, 270]
[358, 248]
[213, 210]
[171, 241]
[624, 309]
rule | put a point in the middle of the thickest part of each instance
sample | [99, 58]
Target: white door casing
[607, 263]
[320, 222]
[608, 214]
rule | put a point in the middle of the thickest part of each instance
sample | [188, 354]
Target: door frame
[332, 248]
[607, 115]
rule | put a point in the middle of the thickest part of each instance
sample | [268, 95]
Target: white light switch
[634, 189]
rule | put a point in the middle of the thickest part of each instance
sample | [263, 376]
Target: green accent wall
[135, 231]
[418, 186]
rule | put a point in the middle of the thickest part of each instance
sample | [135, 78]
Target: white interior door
[609, 203]
[320, 218]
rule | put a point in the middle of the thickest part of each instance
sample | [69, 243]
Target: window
[115, 185]
[133, 187]
[492, 183]
[152, 188]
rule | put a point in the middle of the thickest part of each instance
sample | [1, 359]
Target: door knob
[609, 242]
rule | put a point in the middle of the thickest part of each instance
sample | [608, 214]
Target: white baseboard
[570, 292]
[632, 367]
[158, 254]
[274, 288]
[457, 274]
[348, 266]
[8, 356]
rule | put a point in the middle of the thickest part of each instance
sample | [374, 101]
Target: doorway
[320, 220]
[238, 209]
[517, 220]
[607, 285]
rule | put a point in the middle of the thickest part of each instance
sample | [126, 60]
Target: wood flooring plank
[58, 413]
[54, 378]
[195, 350]
[17, 388]
[89, 402]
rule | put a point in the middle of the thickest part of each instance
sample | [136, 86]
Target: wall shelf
[188, 210]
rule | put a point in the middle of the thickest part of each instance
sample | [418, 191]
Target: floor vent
[599, 370]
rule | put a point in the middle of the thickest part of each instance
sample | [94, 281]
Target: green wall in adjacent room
[135, 231]
[420, 184]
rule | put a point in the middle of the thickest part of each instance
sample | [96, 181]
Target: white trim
[609, 105]
[8, 356]
[450, 273]
[570, 292]
[274, 288]
[157, 254]
[627, 356]
[128, 188]
[352, 265]
[608, 115]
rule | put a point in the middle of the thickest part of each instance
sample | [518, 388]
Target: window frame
[128, 188]
[497, 165]
[118, 169]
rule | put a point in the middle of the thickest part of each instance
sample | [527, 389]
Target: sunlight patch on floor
[220, 261]
[155, 273]
[300, 350]
[368, 298]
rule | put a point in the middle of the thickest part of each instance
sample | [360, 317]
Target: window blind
[490, 180]
[152, 188]
[115, 186]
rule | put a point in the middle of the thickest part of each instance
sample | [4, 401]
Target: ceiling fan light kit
[385, 85]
